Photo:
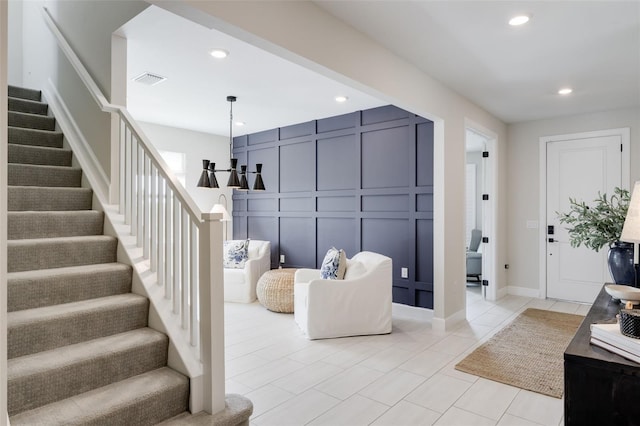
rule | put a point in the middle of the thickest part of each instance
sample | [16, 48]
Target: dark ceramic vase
[621, 263]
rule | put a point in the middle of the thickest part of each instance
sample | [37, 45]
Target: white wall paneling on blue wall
[359, 181]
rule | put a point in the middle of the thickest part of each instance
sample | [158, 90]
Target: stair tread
[31, 101]
[31, 121]
[37, 131]
[45, 313]
[35, 137]
[67, 270]
[47, 287]
[43, 155]
[56, 240]
[78, 352]
[51, 188]
[20, 174]
[24, 93]
[50, 167]
[90, 407]
[42, 175]
[52, 375]
[27, 105]
[36, 198]
[38, 147]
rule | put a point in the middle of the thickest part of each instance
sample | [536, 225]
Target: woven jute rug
[528, 353]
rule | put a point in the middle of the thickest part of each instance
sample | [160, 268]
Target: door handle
[551, 240]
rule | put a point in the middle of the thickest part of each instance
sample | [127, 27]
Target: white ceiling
[513, 72]
[271, 91]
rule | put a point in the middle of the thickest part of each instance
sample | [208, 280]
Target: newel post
[212, 312]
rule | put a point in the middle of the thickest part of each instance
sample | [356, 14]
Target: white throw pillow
[236, 253]
[333, 265]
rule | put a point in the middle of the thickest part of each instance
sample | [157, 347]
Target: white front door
[578, 168]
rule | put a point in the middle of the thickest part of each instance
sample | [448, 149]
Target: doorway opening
[479, 211]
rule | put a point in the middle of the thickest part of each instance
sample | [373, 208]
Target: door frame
[625, 180]
[489, 210]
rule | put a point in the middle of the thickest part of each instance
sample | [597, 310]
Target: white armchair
[240, 284]
[360, 304]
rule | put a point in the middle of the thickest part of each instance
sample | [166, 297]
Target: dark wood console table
[600, 387]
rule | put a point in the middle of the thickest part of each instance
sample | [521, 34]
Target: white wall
[196, 146]
[307, 35]
[3, 210]
[523, 181]
[15, 42]
[88, 26]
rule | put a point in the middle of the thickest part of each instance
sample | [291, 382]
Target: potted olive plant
[599, 225]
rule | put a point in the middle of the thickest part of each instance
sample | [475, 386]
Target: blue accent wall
[359, 181]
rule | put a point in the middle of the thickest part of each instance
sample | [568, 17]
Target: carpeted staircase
[79, 348]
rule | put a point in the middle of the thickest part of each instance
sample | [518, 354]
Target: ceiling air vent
[149, 79]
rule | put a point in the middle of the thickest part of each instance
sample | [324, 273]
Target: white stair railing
[178, 241]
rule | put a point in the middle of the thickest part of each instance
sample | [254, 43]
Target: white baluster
[129, 184]
[176, 256]
[155, 201]
[168, 284]
[193, 325]
[123, 166]
[140, 197]
[185, 246]
[146, 202]
[162, 202]
[134, 186]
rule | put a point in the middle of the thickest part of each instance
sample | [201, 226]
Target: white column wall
[15, 44]
[3, 210]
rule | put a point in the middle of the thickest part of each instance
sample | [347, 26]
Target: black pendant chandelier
[236, 180]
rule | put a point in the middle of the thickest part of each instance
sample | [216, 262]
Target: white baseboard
[523, 291]
[91, 167]
[444, 324]
[502, 293]
[414, 312]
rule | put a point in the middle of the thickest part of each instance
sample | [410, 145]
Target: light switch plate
[404, 272]
[532, 224]
[282, 258]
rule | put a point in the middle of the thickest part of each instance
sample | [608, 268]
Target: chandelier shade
[236, 181]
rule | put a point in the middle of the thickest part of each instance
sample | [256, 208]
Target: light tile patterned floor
[405, 378]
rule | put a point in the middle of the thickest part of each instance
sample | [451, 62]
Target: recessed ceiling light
[518, 20]
[240, 123]
[341, 99]
[565, 91]
[219, 53]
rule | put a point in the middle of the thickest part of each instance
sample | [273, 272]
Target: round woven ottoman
[275, 290]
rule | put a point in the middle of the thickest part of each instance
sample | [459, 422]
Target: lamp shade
[631, 228]
[234, 181]
[204, 182]
[244, 184]
[258, 185]
[213, 182]
[219, 208]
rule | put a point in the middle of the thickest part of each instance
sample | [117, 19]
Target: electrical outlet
[404, 272]
[282, 258]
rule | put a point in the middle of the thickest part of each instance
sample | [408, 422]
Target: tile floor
[404, 378]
